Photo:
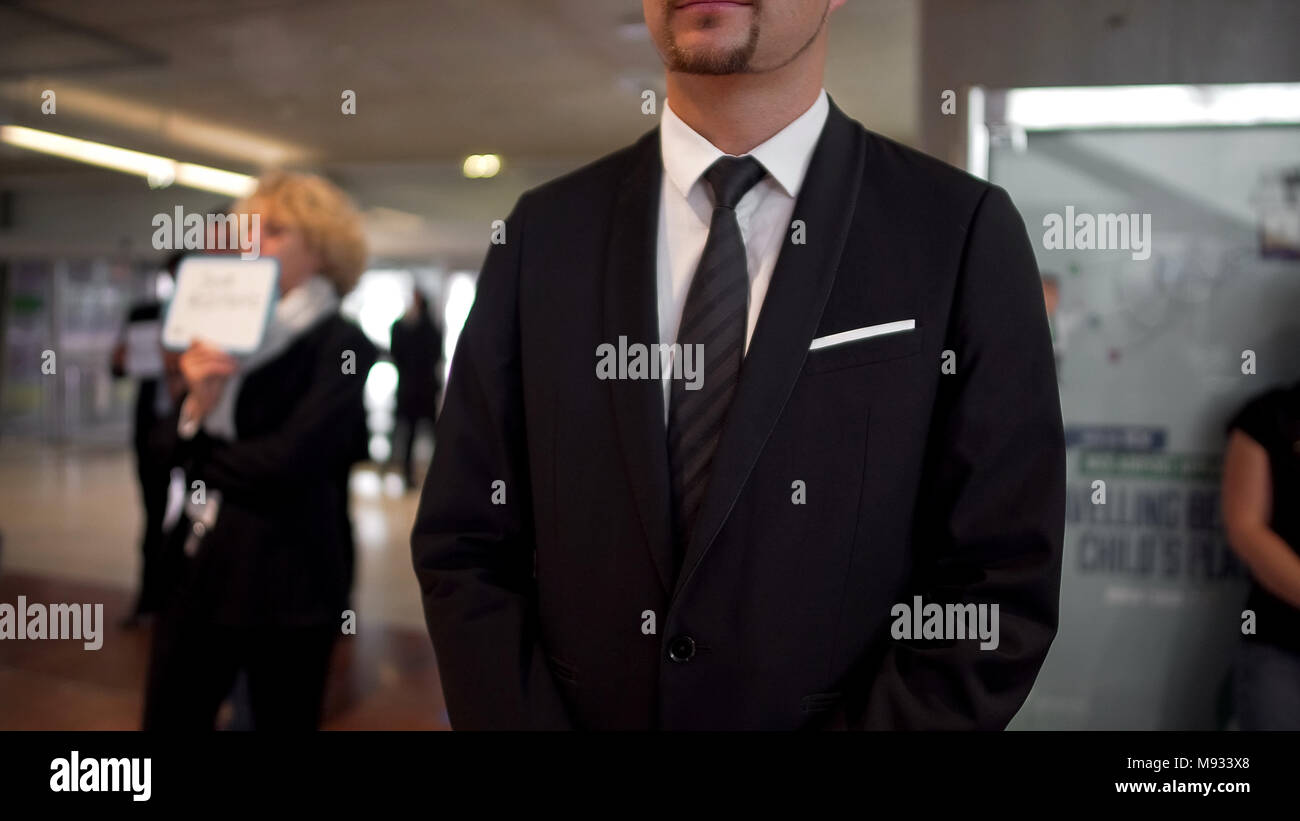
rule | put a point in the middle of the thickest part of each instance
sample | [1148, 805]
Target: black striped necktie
[715, 317]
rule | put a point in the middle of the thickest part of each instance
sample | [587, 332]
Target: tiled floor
[69, 520]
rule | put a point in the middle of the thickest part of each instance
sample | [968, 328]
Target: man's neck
[737, 112]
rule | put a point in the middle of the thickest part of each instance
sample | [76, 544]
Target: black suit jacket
[281, 551]
[560, 607]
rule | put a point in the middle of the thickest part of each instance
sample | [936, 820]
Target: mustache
[671, 6]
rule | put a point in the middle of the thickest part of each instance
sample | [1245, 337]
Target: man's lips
[711, 5]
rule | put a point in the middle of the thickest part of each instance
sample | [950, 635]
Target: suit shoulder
[919, 174]
[598, 177]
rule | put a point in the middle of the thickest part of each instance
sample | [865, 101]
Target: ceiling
[244, 84]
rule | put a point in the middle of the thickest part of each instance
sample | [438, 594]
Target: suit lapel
[792, 309]
[631, 310]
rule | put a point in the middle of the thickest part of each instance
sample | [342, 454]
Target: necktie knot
[731, 177]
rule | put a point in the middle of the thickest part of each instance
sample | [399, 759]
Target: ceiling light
[1036, 109]
[481, 166]
[159, 171]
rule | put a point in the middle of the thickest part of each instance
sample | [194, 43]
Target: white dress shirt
[686, 209]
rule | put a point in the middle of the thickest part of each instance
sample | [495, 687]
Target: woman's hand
[206, 370]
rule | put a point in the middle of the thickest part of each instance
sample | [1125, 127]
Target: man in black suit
[862, 411]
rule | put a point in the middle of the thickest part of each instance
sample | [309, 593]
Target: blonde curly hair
[330, 223]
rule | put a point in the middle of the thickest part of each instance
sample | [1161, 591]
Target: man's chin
[710, 58]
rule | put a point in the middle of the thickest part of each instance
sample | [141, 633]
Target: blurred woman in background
[1261, 511]
[266, 539]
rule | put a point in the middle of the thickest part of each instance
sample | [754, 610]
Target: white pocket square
[862, 333]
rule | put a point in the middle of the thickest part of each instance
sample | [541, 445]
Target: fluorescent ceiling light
[1153, 106]
[186, 131]
[214, 179]
[160, 171]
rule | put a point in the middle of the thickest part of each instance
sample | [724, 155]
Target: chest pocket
[873, 343]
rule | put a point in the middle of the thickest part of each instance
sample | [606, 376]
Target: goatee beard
[732, 61]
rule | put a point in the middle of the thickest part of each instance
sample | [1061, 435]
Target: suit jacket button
[681, 649]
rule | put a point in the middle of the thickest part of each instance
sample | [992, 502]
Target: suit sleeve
[474, 556]
[312, 440]
[991, 512]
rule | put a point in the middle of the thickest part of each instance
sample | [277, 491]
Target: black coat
[917, 482]
[416, 349]
[281, 551]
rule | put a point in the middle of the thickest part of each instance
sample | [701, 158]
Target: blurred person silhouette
[156, 373]
[267, 551]
[416, 349]
[1261, 483]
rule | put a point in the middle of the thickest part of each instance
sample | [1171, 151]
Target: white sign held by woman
[223, 300]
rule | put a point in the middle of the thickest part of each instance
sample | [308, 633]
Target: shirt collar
[785, 155]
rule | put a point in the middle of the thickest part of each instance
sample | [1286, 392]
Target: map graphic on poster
[1149, 359]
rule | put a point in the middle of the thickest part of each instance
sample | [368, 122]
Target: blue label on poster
[1115, 437]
